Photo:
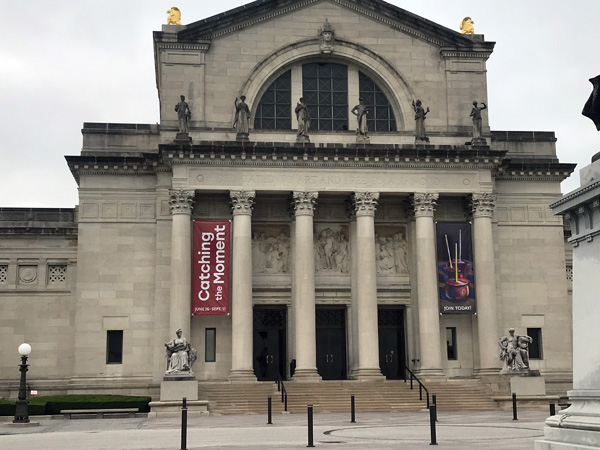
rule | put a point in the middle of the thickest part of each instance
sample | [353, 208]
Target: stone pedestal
[478, 142]
[242, 137]
[362, 140]
[183, 138]
[526, 385]
[174, 389]
[301, 139]
[578, 426]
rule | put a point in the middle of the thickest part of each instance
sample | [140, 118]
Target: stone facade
[333, 226]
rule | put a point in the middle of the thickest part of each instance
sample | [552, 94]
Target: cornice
[577, 194]
[200, 46]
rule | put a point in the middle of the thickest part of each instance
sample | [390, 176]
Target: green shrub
[55, 403]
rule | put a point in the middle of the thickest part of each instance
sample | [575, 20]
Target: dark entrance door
[269, 343]
[391, 343]
[331, 343]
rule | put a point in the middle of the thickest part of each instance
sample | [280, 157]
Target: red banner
[210, 285]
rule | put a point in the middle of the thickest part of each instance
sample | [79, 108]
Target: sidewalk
[410, 431]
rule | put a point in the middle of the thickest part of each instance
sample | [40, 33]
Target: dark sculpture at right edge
[592, 106]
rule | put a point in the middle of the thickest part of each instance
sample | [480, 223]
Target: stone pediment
[254, 13]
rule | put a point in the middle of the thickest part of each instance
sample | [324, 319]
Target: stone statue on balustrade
[303, 121]
[514, 352]
[180, 356]
[420, 114]
[241, 122]
[183, 116]
[591, 108]
[478, 139]
[361, 112]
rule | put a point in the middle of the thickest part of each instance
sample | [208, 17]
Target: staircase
[334, 396]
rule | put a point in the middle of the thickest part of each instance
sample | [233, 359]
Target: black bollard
[432, 416]
[269, 412]
[552, 409]
[285, 408]
[514, 400]
[435, 404]
[184, 425]
[310, 426]
[352, 410]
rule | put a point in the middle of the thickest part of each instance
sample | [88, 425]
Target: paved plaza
[410, 431]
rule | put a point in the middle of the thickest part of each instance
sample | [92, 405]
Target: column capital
[242, 202]
[181, 202]
[303, 203]
[365, 203]
[482, 205]
[424, 203]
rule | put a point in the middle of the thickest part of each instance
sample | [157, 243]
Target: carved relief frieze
[332, 248]
[270, 249]
[391, 250]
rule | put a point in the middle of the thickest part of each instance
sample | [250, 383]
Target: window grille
[274, 111]
[57, 274]
[381, 117]
[325, 92]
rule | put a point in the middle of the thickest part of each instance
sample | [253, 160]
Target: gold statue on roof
[466, 26]
[174, 17]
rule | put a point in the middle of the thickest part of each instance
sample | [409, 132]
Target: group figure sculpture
[331, 251]
[180, 355]
[270, 254]
[391, 254]
[514, 351]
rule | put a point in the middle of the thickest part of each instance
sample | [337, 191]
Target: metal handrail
[421, 385]
[281, 388]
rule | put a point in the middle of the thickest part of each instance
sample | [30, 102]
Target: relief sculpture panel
[331, 248]
[270, 249]
[391, 250]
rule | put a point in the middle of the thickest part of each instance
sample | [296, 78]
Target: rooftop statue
[420, 114]
[174, 17]
[183, 115]
[327, 35]
[241, 123]
[303, 119]
[592, 106]
[180, 355]
[466, 26]
[477, 122]
[361, 112]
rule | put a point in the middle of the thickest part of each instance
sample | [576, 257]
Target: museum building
[371, 220]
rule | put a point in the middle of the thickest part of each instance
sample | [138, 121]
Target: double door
[269, 343]
[392, 359]
[331, 343]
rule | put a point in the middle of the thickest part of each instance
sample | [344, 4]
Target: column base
[368, 374]
[574, 428]
[306, 376]
[242, 376]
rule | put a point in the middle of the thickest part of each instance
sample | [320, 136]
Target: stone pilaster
[304, 287]
[181, 203]
[430, 356]
[241, 287]
[365, 204]
[482, 207]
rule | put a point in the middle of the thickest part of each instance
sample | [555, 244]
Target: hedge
[55, 403]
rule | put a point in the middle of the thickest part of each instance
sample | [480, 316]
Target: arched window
[381, 117]
[325, 92]
[274, 111]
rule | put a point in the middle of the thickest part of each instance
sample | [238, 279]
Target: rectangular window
[210, 345]
[114, 347]
[451, 343]
[535, 348]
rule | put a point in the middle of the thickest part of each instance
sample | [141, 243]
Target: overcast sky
[63, 63]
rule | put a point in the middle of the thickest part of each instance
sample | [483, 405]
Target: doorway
[392, 349]
[269, 343]
[331, 343]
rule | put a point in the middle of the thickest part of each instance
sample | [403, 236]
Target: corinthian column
[485, 273]
[304, 288]
[429, 319]
[181, 203]
[241, 287]
[365, 204]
